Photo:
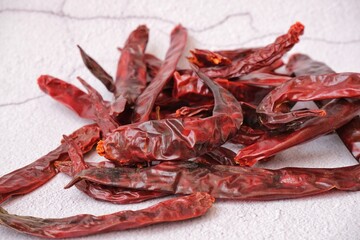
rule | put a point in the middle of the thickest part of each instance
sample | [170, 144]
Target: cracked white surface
[39, 37]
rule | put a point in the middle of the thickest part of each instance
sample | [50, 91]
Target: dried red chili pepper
[146, 100]
[172, 210]
[236, 54]
[34, 175]
[274, 108]
[97, 70]
[97, 191]
[270, 145]
[131, 71]
[260, 57]
[188, 87]
[300, 65]
[69, 95]
[102, 111]
[228, 182]
[175, 139]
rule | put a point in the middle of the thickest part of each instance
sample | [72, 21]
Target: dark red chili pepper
[176, 139]
[97, 70]
[302, 65]
[131, 71]
[34, 175]
[274, 108]
[177, 209]
[146, 100]
[270, 145]
[260, 57]
[228, 182]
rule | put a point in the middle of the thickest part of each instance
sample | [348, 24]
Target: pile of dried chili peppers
[178, 131]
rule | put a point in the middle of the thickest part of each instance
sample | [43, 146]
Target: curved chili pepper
[274, 108]
[270, 145]
[175, 139]
[228, 182]
[97, 70]
[146, 100]
[260, 57]
[69, 95]
[131, 70]
[299, 65]
[177, 209]
[34, 175]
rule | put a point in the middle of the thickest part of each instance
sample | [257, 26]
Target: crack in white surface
[62, 14]
[12, 104]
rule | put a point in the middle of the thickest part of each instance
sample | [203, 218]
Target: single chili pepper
[228, 182]
[131, 71]
[69, 95]
[299, 65]
[176, 139]
[34, 175]
[188, 87]
[177, 209]
[102, 112]
[236, 54]
[270, 145]
[260, 57]
[274, 108]
[97, 70]
[146, 100]
[206, 58]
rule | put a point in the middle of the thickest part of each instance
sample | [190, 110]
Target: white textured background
[39, 37]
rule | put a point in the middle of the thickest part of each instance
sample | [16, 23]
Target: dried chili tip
[296, 30]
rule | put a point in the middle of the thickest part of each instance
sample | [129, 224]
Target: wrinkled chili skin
[228, 182]
[97, 191]
[299, 65]
[274, 108]
[270, 145]
[177, 209]
[146, 100]
[260, 57]
[68, 95]
[130, 79]
[176, 139]
[34, 175]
